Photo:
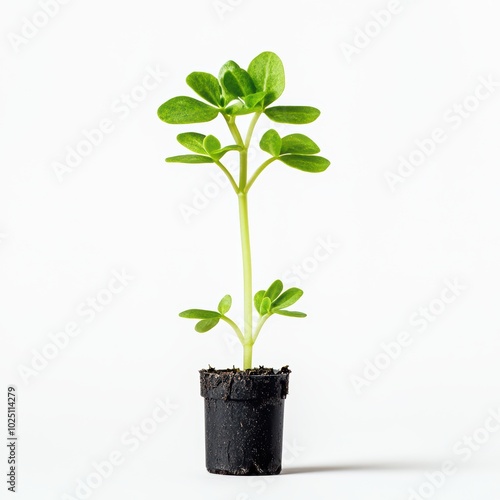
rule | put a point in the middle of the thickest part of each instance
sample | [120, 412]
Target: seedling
[234, 93]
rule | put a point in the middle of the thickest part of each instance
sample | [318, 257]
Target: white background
[121, 209]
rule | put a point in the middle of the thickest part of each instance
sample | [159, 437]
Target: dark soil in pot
[244, 419]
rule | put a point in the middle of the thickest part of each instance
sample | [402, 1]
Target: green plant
[234, 93]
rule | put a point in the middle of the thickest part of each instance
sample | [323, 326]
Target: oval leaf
[225, 304]
[192, 141]
[199, 314]
[211, 143]
[271, 143]
[300, 144]
[265, 306]
[306, 163]
[206, 86]
[274, 290]
[257, 300]
[227, 67]
[253, 100]
[206, 324]
[293, 314]
[287, 298]
[238, 82]
[268, 74]
[182, 110]
[189, 159]
[293, 114]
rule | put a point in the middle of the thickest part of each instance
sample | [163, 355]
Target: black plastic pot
[244, 420]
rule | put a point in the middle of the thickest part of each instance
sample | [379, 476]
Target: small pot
[244, 420]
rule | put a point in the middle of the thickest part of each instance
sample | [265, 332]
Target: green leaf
[268, 74]
[293, 314]
[225, 304]
[206, 86]
[189, 159]
[300, 144]
[192, 141]
[182, 110]
[199, 314]
[227, 67]
[253, 100]
[265, 306]
[306, 163]
[287, 298]
[257, 300]
[271, 143]
[274, 290]
[292, 114]
[205, 325]
[238, 82]
[211, 143]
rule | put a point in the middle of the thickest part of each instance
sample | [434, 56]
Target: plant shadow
[375, 466]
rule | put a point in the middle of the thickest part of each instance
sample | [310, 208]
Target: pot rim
[241, 385]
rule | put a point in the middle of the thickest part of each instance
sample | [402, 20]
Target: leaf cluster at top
[236, 92]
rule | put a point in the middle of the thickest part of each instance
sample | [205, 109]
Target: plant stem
[251, 128]
[228, 175]
[258, 172]
[234, 130]
[259, 326]
[244, 153]
[245, 235]
[235, 327]
[247, 280]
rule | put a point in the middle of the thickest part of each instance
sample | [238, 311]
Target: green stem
[228, 175]
[231, 123]
[235, 327]
[258, 172]
[251, 128]
[247, 281]
[245, 235]
[259, 326]
[243, 170]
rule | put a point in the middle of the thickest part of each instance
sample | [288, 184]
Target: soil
[236, 384]
[252, 371]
